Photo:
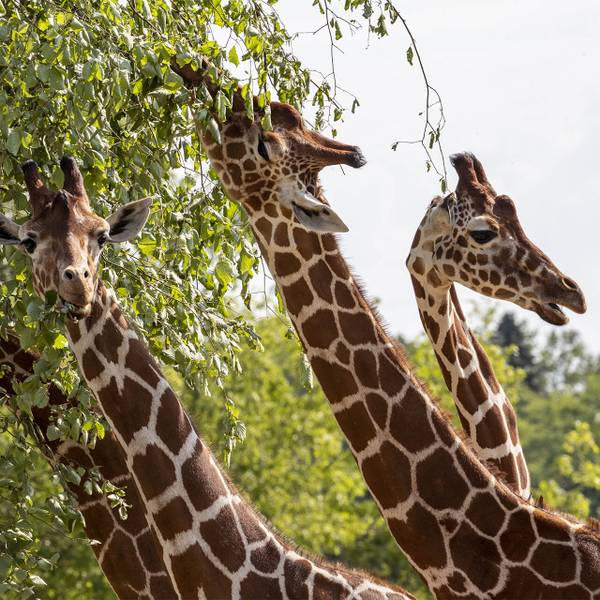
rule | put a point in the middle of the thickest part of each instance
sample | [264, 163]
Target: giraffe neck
[486, 413]
[126, 552]
[214, 545]
[464, 531]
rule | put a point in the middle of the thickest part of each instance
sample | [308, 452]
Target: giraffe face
[281, 165]
[474, 237]
[64, 243]
[64, 238]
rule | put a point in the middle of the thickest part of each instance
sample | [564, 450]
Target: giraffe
[214, 545]
[473, 237]
[126, 552]
[463, 530]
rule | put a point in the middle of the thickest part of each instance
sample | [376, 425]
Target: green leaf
[233, 56]
[13, 142]
[224, 271]
[40, 397]
[147, 246]
[60, 342]
[37, 580]
[52, 433]
[306, 371]
[213, 129]
[137, 87]
[100, 432]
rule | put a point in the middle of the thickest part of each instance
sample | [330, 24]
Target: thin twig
[429, 129]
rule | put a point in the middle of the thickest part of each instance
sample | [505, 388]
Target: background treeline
[294, 466]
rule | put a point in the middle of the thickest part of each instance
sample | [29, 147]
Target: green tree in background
[559, 415]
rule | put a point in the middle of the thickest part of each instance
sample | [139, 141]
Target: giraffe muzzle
[74, 310]
[553, 313]
[558, 293]
[358, 159]
[76, 292]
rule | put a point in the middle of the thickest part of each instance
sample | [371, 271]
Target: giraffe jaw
[551, 313]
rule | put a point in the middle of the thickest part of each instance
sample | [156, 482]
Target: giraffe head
[282, 165]
[64, 237]
[473, 236]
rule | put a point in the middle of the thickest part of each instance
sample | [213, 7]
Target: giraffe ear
[316, 216]
[439, 220]
[128, 221]
[9, 231]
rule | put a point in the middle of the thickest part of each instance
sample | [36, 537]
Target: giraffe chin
[551, 313]
[74, 311]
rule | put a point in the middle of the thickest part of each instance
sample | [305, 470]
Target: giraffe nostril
[569, 283]
[86, 274]
[68, 273]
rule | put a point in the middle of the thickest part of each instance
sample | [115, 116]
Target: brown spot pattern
[154, 470]
[130, 410]
[172, 424]
[387, 474]
[222, 536]
[437, 474]
[297, 295]
[320, 329]
[201, 490]
[337, 382]
[409, 423]
[421, 537]
[356, 425]
[321, 278]
[92, 367]
[173, 518]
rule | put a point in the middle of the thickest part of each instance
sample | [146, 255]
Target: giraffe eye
[102, 239]
[483, 236]
[29, 244]
[262, 148]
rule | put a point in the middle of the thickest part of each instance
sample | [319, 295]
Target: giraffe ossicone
[213, 543]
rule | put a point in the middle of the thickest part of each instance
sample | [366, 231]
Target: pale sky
[520, 85]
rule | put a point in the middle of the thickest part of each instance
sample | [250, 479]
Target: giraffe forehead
[61, 225]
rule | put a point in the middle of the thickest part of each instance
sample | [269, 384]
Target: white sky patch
[519, 86]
